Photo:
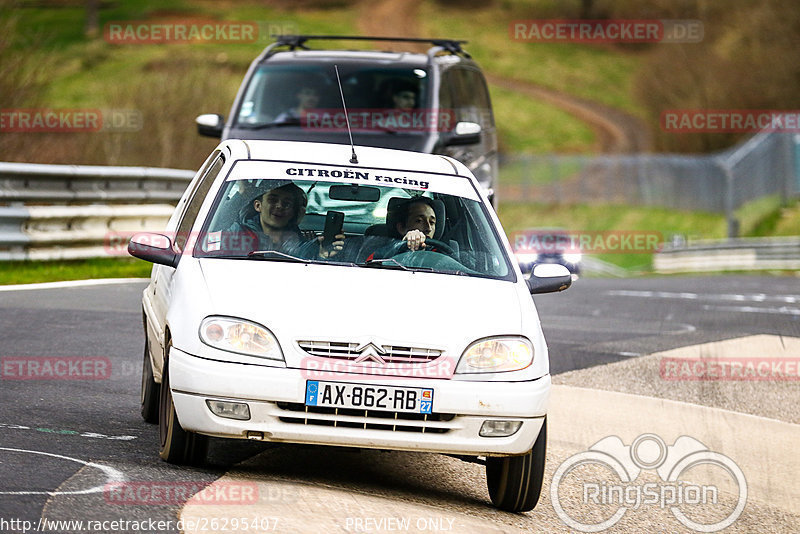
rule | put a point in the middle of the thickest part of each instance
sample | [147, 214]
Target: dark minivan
[435, 102]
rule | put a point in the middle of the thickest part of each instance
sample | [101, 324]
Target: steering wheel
[442, 247]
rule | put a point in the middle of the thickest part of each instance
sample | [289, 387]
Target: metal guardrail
[70, 184]
[767, 163]
[745, 254]
[50, 212]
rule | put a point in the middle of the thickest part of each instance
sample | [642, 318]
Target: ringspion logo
[580, 494]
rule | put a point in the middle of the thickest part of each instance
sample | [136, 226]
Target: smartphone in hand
[333, 226]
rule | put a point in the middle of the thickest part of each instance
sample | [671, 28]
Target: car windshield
[307, 96]
[284, 219]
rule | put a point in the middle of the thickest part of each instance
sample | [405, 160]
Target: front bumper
[276, 398]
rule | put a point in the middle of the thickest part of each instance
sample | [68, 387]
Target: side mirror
[155, 248]
[210, 124]
[549, 278]
[465, 133]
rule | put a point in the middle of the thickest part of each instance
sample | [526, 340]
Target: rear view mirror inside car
[355, 192]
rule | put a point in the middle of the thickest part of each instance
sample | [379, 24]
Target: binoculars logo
[648, 452]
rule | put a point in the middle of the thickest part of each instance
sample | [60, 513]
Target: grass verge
[29, 272]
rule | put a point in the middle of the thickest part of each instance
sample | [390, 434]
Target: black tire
[150, 389]
[515, 482]
[177, 446]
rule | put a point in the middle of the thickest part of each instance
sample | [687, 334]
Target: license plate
[368, 397]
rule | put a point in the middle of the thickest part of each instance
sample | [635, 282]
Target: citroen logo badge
[370, 352]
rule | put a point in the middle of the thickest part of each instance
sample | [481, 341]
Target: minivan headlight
[497, 354]
[240, 336]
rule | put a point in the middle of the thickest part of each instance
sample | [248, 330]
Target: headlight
[495, 355]
[573, 258]
[240, 336]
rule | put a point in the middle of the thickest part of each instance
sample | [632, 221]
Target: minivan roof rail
[299, 41]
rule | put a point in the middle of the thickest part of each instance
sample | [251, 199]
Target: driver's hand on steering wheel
[415, 239]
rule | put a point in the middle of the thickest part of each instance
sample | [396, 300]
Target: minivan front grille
[297, 413]
[389, 353]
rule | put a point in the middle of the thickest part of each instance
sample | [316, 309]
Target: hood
[401, 141]
[362, 305]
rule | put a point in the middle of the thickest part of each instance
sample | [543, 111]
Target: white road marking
[66, 432]
[71, 283]
[753, 297]
[112, 475]
[783, 310]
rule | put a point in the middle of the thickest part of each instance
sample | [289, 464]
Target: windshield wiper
[384, 262]
[276, 255]
[391, 263]
[265, 125]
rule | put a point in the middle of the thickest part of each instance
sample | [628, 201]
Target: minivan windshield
[307, 96]
[261, 213]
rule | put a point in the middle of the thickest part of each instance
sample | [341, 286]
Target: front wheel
[177, 446]
[515, 482]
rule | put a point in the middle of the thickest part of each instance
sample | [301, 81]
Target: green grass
[601, 218]
[768, 217]
[527, 171]
[601, 73]
[89, 72]
[529, 126]
[28, 272]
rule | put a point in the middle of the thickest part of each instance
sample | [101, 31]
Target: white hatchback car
[299, 296]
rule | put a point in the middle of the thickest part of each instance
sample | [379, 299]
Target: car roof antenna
[353, 158]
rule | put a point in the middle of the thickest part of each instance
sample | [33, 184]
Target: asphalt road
[61, 441]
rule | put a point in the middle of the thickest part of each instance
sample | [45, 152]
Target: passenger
[274, 225]
[307, 100]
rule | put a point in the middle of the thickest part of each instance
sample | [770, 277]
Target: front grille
[437, 423]
[389, 353]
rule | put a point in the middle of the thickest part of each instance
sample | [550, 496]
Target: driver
[415, 223]
[416, 220]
